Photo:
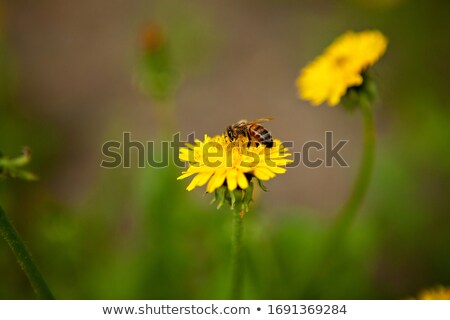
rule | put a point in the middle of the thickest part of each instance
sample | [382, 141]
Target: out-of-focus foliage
[137, 234]
[13, 167]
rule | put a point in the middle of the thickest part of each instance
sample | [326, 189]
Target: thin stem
[236, 289]
[23, 256]
[348, 212]
[165, 117]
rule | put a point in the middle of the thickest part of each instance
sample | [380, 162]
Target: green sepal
[232, 197]
[261, 185]
[359, 95]
[219, 196]
[239, 199]
[248, 197]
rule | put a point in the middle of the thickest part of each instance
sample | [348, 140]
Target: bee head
[230, 133]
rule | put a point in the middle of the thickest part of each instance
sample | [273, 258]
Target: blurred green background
[70, 80]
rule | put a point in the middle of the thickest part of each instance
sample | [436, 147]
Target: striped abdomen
[260, 134]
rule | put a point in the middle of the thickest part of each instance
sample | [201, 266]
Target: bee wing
[261, 120]
[240, 124]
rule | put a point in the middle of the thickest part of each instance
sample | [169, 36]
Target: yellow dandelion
[438, 293]
[228, 168]
[340, 67]
[217, 162]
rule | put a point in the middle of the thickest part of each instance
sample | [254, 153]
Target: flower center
[341, 61]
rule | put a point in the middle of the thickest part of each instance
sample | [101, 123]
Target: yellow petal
[263, 174]
[199, 180]
[232, 179]
[282, 162]
[194, 182]
[216, 181]
[190, 171]
[186, 155]
[185, 175]
[277, 170]
[242, 180]
[189, 145]
[205, 178]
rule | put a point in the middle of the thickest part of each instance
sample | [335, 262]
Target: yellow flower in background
[340, 67]
[438, 293]
[219, 162]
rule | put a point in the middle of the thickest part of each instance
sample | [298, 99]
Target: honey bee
[253, 130]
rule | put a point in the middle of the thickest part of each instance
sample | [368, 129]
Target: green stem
[236, 289]
[9, 233]
[349, 210]
[165, 115]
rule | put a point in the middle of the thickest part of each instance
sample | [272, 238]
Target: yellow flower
[219, 162]
[340, 67]
[438, 293]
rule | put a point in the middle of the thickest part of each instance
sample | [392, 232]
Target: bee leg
[249, 143]
[254, 143]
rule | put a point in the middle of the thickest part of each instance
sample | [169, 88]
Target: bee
[253, 130]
